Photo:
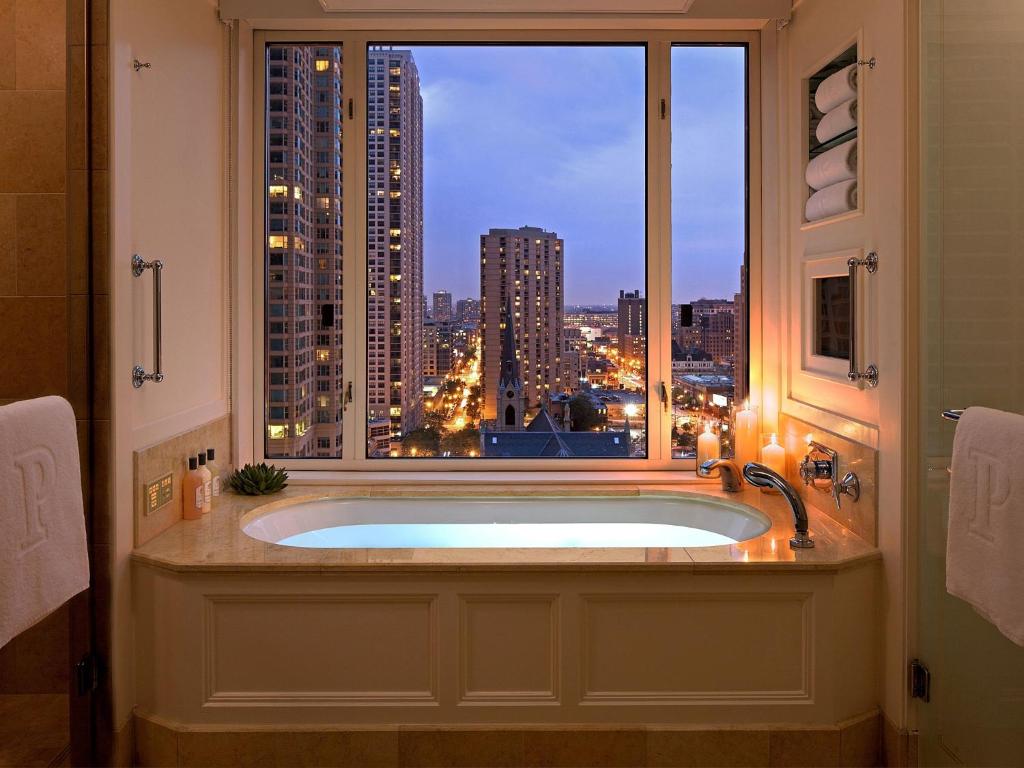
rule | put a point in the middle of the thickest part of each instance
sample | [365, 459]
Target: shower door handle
[139, 375]
[870, 374]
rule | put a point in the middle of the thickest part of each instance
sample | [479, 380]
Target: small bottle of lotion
[214, 470]
[193, 497]
[207, 483]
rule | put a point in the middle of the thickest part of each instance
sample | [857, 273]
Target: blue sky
[554, 137]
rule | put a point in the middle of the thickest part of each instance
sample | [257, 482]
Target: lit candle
[708, 446]
[773, 456]
[746, 435]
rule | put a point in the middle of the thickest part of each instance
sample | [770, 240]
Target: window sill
[528, 477]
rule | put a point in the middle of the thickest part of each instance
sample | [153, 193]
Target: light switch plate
[159, 492]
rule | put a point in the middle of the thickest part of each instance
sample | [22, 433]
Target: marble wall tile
[859, 516]
[7, 72]
[171, 456]
[813, 748]
[32, 152]
[40, 242]
[698, 748]
[434, 747]
[604, 747]
[860, 742]
[40, 29]
[155, 744]
[8, 224]
[35, 360]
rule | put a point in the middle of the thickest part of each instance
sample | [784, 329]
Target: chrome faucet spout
[765, 477]
[727, 470]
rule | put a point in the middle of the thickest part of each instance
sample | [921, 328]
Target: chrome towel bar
[139, 375]
[870, 374]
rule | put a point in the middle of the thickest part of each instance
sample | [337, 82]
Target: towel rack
[870, 374]
[139, 375]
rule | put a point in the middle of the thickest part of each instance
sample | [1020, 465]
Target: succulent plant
[258, 479]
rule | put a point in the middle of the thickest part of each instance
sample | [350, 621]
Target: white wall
[817, 31]
[168, 203]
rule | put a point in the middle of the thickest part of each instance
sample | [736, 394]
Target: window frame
[658, 237]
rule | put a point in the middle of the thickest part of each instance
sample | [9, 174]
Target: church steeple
[510, 386]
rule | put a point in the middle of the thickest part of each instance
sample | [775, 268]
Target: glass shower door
[972, 303]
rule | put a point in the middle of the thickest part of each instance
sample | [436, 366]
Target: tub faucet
[727, 470]
[764, 477]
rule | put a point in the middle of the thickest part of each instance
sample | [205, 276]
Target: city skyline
[588, 185]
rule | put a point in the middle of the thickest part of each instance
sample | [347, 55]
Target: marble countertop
[216, 543]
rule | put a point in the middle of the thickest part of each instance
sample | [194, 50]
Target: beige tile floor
[34, 730]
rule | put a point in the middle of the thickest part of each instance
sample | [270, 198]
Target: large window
[506, 309]
[461, 241]
[709, 244]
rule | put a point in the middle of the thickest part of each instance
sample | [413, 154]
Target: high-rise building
[632, 324]
[467, 311]
[522, 268]
[442, 307]
[437, 348]
[303, 375]
[394, 240]
[740, 339]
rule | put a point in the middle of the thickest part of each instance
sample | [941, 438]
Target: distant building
[544, 437]
[714, 389]
[521, 268]
[510, 406]
[467, 311]
[442, 307]
[437, 348]
[691, 360]
[739, 335]
[632, 324]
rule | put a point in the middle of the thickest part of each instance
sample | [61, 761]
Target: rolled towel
[838, 164]
[836, 88]
[831, 201]
[837, 121]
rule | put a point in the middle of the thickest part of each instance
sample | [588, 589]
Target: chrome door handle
[139, 375]
[870, 374]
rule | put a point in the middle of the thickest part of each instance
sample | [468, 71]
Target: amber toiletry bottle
[193, 497]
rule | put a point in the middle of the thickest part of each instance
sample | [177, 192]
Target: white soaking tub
[513, 522]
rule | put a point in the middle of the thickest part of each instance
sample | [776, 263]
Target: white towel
[985, 545]
[836, 88]
[43, 558]
[831, 167]
[837, 121]
[832, 201]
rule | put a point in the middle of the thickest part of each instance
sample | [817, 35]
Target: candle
[746, 435]
[708, 446]
[773, 456]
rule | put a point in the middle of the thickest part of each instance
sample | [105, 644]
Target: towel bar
[139, 375]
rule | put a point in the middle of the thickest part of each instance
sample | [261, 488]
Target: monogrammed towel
[985, 546]
[43, 558]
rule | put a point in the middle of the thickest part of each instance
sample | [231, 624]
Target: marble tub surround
[171, 456]
[859, 516]
[217, 543]
[854, 742]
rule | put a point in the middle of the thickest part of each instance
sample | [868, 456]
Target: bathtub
[524, 522]
[369, 609]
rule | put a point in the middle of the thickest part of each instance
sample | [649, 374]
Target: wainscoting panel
[702, 647]
[509, 649]
[326, 649]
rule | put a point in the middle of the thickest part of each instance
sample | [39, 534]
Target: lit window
[277, 190]
[322, 65]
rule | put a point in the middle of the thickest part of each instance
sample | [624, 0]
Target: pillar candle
[708, 446]
[745, 435]
[773, 456]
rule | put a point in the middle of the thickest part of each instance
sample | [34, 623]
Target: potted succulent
[258, 479]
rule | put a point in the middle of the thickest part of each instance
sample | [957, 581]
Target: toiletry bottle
[214, 470]
[207, 483]
[193, 497]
